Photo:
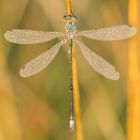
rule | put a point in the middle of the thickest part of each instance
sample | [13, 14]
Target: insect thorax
[70, 29]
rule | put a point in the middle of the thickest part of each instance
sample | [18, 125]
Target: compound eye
[70, 17]
[65, 17]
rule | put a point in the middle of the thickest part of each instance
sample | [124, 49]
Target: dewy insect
[101, 66]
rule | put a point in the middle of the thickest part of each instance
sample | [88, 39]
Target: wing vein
[30, 36]
[110, 33]
[98, 63]
[43, 60]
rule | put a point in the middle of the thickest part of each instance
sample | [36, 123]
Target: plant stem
[79, 133]
[133, 77]
[74, 87]
[69, 7]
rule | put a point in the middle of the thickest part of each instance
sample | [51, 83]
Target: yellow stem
[133, 77]
[76, 96]
[76, 99]
[69, 7]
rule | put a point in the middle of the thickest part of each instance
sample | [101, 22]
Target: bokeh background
[37, 108]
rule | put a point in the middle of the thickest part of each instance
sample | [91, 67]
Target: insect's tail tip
[72, 124]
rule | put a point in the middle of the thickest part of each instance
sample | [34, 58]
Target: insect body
[70, 29]
[70, 26]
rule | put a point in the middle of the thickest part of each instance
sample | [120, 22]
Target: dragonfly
[100, 65]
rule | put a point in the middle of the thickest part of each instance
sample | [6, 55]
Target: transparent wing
[110, 33]
[30, 36]
[98, 63]
[40, 62]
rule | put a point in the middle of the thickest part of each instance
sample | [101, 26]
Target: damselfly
[100, 65]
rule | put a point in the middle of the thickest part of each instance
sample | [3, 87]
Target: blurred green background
[37, 108]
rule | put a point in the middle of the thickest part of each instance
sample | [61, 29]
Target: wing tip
[116, 76]
[23, 73]
[8, 34]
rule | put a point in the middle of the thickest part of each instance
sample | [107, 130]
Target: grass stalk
[79, 133]
[68, 7]
[76, 96]
[133, 77]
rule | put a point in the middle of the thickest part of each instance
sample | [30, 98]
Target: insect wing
[98, 63]
[30, 36]
[110, 33]
[40, 62]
